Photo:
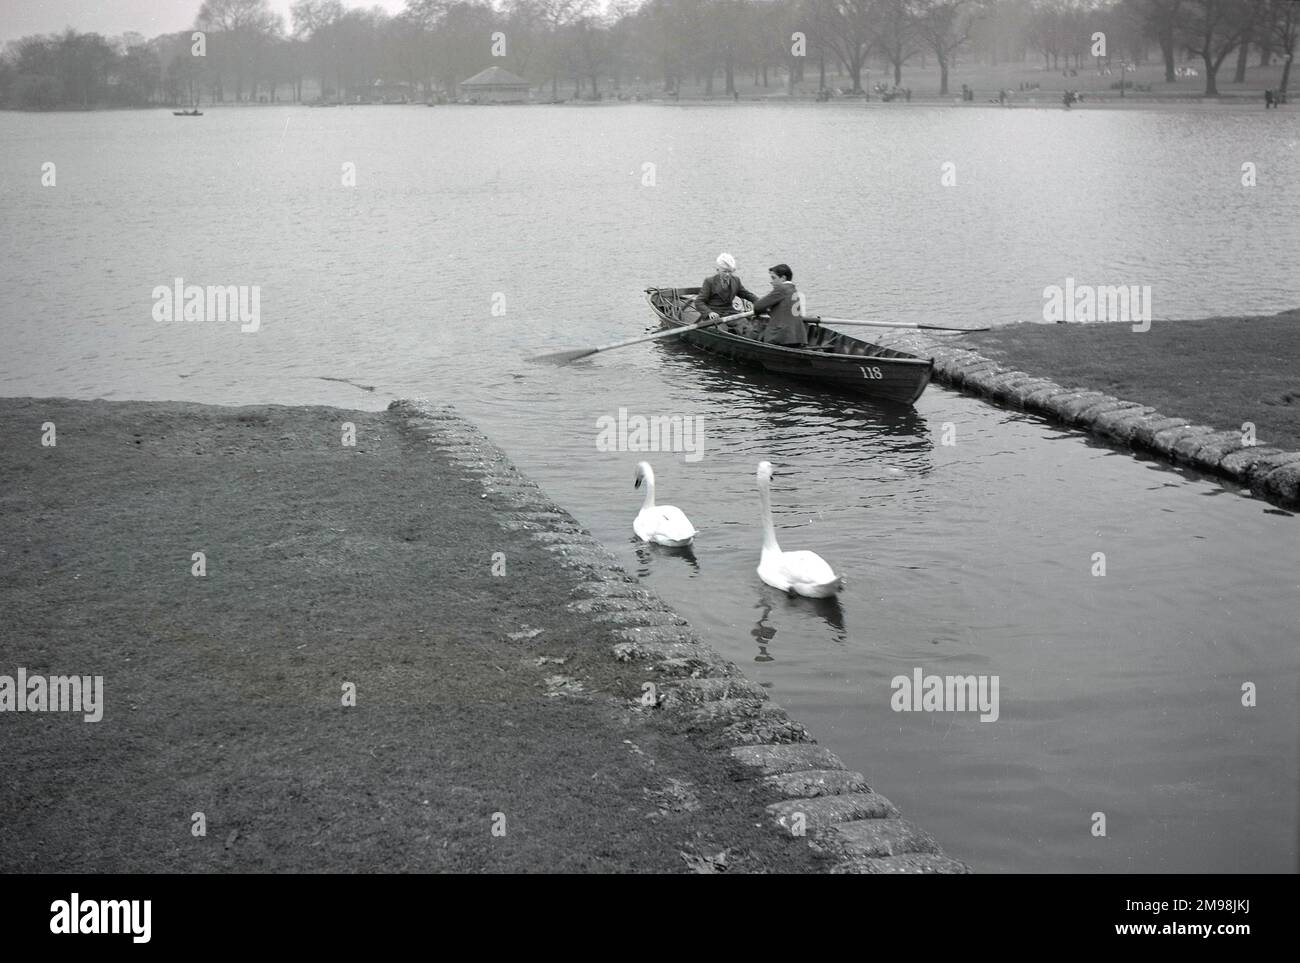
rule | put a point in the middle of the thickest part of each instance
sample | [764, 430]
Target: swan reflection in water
[762, 632]
[646, 553]
[828, 610]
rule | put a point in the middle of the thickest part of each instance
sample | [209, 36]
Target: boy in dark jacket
[783, 326]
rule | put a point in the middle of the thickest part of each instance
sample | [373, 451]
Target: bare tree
[244, 29]
[1256, 23]
[1161, 19]
[945, 26]
[848, 29]
[1211, 29]
[1284, 22]
[896, 34]
[1047, 31]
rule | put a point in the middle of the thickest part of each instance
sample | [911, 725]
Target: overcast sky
[18, 18]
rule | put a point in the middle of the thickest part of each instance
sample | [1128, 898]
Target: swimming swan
[801, 573]
[661, 524]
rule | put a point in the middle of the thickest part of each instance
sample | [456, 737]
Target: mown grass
[1217, 371]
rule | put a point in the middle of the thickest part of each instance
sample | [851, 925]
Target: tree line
[241, 51]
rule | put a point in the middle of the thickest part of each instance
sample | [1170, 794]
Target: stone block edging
[1267, 471]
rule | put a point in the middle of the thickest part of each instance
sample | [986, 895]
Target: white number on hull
[871, 374]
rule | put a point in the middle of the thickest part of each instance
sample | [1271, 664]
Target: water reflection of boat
[832, 358]
[788, 403]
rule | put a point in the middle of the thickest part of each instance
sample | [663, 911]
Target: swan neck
[769, 530]
[649, 482]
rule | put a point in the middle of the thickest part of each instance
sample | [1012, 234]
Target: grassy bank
[1217, 371]
[325, 565]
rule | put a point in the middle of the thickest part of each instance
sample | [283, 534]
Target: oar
[896, 324]
[563, 357]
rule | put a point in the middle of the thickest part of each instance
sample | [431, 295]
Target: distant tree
[727, 40]
[7, 76]
[776, 25]
[1284, 25]
[945, 26]
[1001, 33]
[243, 30]
[315, 24]
[1126, 33]
[1161, 20]
[674, 38]
[38, 92]
[1047, 31]
[35, 83]
[183, 74]
[1212, 29]
[896, 34]
[1257, 16]
[848, 28]
[524, 27]
[138, 71]
[68, 69]
[1080, 20]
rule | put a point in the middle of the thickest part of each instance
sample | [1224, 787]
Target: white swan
[661, 524]
[802, 573]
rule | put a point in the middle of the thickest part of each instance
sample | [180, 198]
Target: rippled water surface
[1119, 694]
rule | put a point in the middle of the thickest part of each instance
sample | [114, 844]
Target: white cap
[725, 260]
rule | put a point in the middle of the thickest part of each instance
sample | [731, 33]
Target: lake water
[1118, 694]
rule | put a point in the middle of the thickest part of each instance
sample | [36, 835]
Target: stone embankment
[707, 698]
[1271, 472]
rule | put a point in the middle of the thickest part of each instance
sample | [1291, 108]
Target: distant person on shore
[783, 325]
[1268, 100]
[718, 292]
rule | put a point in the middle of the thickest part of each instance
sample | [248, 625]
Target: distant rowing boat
[187, 113]
[831, 358]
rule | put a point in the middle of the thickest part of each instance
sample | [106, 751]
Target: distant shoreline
[1251, 101]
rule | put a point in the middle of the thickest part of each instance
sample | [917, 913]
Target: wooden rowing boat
[832, 358]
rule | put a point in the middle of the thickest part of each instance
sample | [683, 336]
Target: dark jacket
[716, 294]
[784, 326]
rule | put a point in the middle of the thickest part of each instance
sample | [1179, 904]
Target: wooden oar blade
[564, 357]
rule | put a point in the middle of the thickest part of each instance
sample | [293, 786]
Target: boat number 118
[872, 373]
